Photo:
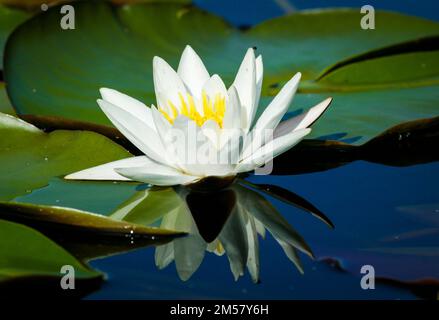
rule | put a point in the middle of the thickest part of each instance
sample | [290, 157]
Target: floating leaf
[382, 68]
[84, 242]
[9, 19]
[5, 104]
[77, 221]
[50, 123]
[36, 4]
[25, 254]
[30, 157]
[102, 197]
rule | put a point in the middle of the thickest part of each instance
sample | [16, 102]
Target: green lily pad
[89, 236]
[34, 4]
[9, 19]
[29, 157]
[74, 220]
[27, 253]
[62, 78]
[367, 113]
[82, 195]
[147, 206]
[27, 4]
[5, 105]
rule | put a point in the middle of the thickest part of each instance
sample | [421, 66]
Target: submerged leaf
[77, 221]
[26, 256]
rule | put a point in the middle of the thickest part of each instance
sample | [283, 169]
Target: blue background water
[249, 12]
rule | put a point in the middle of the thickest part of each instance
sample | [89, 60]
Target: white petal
[233, 114]
[234, 240]
[163, 129]
[8, 121]
[303, 120]
[185, 145]
[192, 71]
[106, 171]
[167, 83]
[195, 153]
[291, 253]
[212, 131]
[245, 84]
[230, 148]
[259, 77]
[215, 86]
[271, 150]
[260, 228]
[272, 115]
[189, 251]
[129, 104]
[267, 214]
[164, 255]
[156, 174]
[161, 123]
[232, 133]
[135, 130]
[253, 249]
[189, 254]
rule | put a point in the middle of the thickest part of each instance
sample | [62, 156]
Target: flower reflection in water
[229, 222]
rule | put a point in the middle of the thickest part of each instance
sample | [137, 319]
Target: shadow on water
[406, 144]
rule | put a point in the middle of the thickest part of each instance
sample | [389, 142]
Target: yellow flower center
[213, 109]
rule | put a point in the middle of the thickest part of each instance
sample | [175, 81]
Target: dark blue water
[384, 216]
[249, 12]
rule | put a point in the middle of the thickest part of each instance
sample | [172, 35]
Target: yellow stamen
[212, 109]
[166, 115]
[173, 108]
[219, 248]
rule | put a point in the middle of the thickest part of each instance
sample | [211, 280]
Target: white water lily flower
[196, 104]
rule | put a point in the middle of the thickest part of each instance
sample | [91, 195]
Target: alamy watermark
[368, 20]
[368, 280]
[68, 278]
[67, 19]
